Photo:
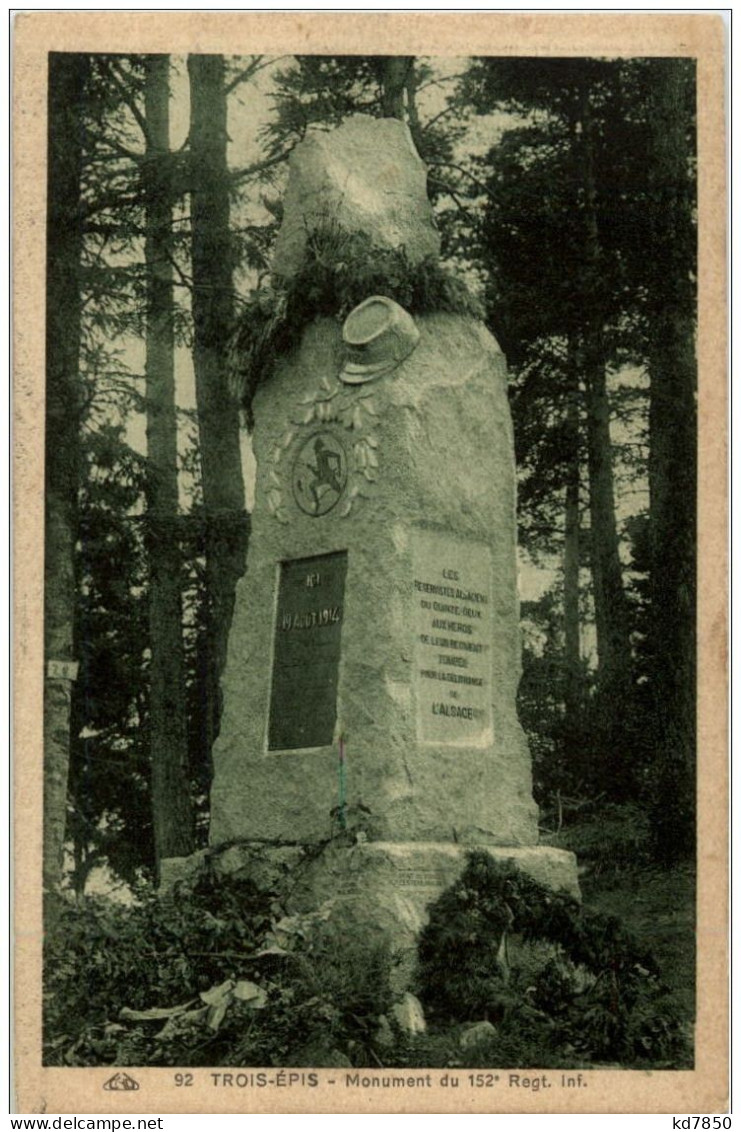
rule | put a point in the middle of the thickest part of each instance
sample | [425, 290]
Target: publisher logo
[122, 1082]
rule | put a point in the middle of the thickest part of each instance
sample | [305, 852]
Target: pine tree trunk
[571, 557]
[67, 80]
[395, 75]
[227, 522]
[673, 456]
[610, 606]
[611, 614]
[171, 798]
[612, 765]
[415, 126]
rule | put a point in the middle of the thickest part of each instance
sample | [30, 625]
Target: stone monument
[374, 653]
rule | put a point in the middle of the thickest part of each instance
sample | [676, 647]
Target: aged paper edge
[40, 1089]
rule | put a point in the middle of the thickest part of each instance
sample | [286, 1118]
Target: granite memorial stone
[366, 176]
[417, 654]
[374, 654]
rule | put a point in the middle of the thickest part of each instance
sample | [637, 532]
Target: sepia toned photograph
[371, 482]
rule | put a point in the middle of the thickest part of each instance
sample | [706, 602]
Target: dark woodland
[565, 193]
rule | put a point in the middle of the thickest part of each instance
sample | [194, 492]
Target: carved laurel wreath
[351, 407]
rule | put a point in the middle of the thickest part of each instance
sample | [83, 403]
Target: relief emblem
[331, 467]
[319, 474]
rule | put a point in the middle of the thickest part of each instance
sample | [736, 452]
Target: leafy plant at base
[159, 952]
[199, 977]
[327, 998]
[599, 997]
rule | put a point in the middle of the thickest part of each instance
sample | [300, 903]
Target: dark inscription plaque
[303, 698]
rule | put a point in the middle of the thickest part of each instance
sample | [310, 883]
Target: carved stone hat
[378, 335]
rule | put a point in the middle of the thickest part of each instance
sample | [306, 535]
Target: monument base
[373, 890]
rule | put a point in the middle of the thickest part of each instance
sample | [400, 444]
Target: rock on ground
[477, 1034]
[409, 1014]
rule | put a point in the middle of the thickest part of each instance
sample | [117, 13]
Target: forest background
[565, 193]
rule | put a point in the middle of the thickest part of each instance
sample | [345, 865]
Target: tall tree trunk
[610, 605]
[171, 798]
[673, 454]
[67, 82]
[572, 557]
[227, 522]
[611, 613]
[612, 766]
[395, 75]
[415, 126]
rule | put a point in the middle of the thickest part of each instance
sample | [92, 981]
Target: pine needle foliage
[340, 270]
[598, 996]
